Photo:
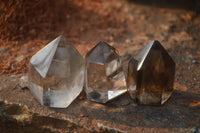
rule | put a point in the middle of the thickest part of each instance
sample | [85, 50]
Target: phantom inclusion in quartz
[56, 74]
[105, 79]
[151, 75]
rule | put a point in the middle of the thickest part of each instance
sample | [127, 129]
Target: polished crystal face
[151, 75]
[56, 74]
[105, 79]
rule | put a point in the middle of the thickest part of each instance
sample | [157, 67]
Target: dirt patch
[27, 26]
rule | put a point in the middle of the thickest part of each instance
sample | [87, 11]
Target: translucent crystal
[151, 75]
[56, 74]
[105, 79]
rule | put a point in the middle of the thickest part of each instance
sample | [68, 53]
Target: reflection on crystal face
[105, 79]
[151, 75]
[56, 74]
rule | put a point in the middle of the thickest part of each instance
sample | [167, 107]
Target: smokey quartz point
[151, 75]
[56, 74]
[105, 79]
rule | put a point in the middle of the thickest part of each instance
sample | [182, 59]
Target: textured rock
[120, 114]
[19, 119]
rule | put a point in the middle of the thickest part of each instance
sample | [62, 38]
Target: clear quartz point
[105, 79]
[56, 74]
[151, 75]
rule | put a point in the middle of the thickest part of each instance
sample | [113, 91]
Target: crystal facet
[105, 79]
[151, 75]
[56, 74]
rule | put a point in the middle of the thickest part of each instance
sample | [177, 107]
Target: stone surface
[19, 119]
[151, 75]
[180, 114]
[56, 73]
[105, 79]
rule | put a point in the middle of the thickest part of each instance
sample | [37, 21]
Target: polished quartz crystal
[151, 75]
[105, 79]
[56, 74]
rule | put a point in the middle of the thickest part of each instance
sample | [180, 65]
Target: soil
[27, 26]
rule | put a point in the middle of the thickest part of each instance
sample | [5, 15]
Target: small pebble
[23, 82]
[194, 61]
[19, 58]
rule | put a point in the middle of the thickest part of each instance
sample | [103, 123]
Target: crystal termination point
[151, 75]
[56, 74]
[105, 79]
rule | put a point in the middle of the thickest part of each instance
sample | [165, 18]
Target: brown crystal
[151, 75]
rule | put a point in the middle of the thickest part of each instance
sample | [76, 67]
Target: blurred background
[128, 25]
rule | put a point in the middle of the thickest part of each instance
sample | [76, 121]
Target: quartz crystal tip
[151, 75]
[56, 73]
[105, 79]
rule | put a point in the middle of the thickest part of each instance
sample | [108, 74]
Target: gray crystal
[105, 79]
[56, 73]
[151, 75]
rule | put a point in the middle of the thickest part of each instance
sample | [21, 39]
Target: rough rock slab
[180, 114]
[17, 118]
